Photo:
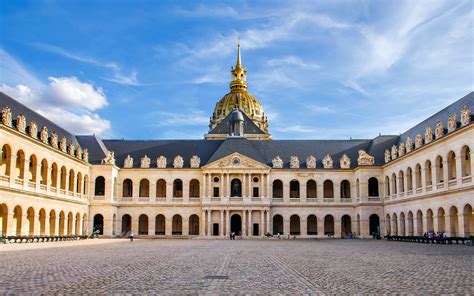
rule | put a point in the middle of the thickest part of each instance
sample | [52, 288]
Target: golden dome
[239, 97]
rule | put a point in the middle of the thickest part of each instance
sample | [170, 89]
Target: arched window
[328, 187]
[277, 189]
[54, 175]
[177, 225]
[401, 182]
[409, 179]
[72, 178]
[32, 169]
[295, 228]
[79, 183]
[63, 179]
[277, 224]
[194, 188]
[127, 188]
[6, 160]
[44, 172]
[98, 223]
[86, 185]
[345, 189]
[428, 173]
[143, 224]
[294, 189]
[418, 176]
[394, 183]
[20, 164]
[466, 161]
[311, 189]
[357, 188]
[99, 186]
[161, 188]
[178, 188]
[451, 166]
[236, 188]
[144, 188]
[439, 170]
[373, 187]
[387, 186]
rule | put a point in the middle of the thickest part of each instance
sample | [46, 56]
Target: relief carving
[294, 162]
[21, 123]
[44, 135]
[79, 152]
[85, 155]
[161, 162]
[33, 130]
[345, 162]
[419, 141]
[195, 162]
[311, 162]
[409, 145]
[439, 131]
[178, 162]
[365, 159]
[327, 162]
[394, 152]
[428, 135]
[452, 124]
[277, 162]
[145, 162]
[63, 144]
[401, 149]
[7, 116]
[128, 162]
[109, 158]
[54, 140]
[71, 149]
[387, 156]
[465, 116]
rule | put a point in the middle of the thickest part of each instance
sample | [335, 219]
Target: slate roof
[223, 127]
[18, 108]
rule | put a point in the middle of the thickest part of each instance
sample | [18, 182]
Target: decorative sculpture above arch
[345, 162]
[33, 130]
[311, 162]
[21, 123]
[419, 141]
[452, 123]
[465, 116]
[145, 162]
[44, 135]
[195, 162]
[277, 162]
[428, 135]
[161, 162]
[109, 158]
[365, 159]
[7, 116]
[387, 156]
[439, 131]
[294, 162]
[178, 162]
[327, 162]
[128, 162]
[409, 145]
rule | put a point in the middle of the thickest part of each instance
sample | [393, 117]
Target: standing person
[131, 236]
[279, 235]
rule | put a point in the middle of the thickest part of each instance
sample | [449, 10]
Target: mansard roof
[18, 108]
[250, 128]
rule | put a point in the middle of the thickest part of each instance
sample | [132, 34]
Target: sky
[156, 69]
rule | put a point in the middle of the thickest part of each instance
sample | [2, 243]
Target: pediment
[236, 161]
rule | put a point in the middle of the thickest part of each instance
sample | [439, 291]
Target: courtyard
[178, 266]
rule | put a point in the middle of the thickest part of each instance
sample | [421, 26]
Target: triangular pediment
[236, 161]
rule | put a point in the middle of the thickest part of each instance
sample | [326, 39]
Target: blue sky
[155, 69]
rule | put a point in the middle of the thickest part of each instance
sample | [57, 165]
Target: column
[168, 226]
[459, 167]
[203, 223]
[185, 226]
[244, 185]
[26, 171]
[286, 192]
[222, 189]
[221, 225]
[250, 223]
[304, 226]
[209, 222]
[337, 192]
[262, 223]
[46, 225]
[423, 179]
[445, 172]
[320, 226]
[267, 194]
[227, 213]
[152, 190]
[462, 220]
[244, 223]
[268, 226]
[135, 225]
[169, 190]
[337, 228]
[151, 225]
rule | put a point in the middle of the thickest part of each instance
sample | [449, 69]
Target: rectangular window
[216, 192]
[255, 192]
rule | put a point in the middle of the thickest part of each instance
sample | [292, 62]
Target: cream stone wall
[32, 206]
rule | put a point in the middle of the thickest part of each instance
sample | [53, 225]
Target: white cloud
[72, 92]
[185, 118]
[66, 100]
[292, 61]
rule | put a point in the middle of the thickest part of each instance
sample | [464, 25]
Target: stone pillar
[168, 227]
[36, 225]
[337, 228]
[286, 226]
[209, 222]
[286, 192]
[320, 226]
[262, 223]
[25, 225]
[46, 225]
[459, 167]
[462, 220]
[319, 192]
[227, 213]
[268, 225]
[268, 192]
[423, 179]
[337, 192]
[304, 227]
[303, 191]
[152, 191]
[221, 224]
[364, 227]
[185, 226]
[222, 192]
[151, 226]
[203, 223]
[244, 223]
[11, 227]
[250, 229]
[169, 191]
[445, 172]
[135, 225]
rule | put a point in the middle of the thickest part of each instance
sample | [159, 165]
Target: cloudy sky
[155, 69]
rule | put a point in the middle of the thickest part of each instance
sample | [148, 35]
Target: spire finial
[238, 73]
[238, 53]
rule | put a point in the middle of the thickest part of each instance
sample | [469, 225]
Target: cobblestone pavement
[240, 266]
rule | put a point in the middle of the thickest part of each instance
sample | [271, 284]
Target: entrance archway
[194, 225]
[295, 225]
[346, 226]
[374, 224]
[99, 223]
[277, 224]
[236, 224]
[126, 224]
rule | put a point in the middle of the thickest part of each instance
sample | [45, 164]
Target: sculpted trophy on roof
[240, 98]
[7, 116]
[365, 159]
[128, 162]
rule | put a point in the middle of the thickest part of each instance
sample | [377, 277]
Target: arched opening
[373, 187]
[401, 182]
[161, 188]
[70, 223]
[387, 186]
[394, 224]
[277, 189]
[358, 225]
[85, 224]
[439, 170]
[428, 173]
[429, 220]
[3, 219]
[52, 223]
[143, 224]
[177, 188]
[127, 188]
[63, 179]
[419, 223]
[99, 186]
[54, 175]
[32, 168]
[295, 225]
[328, 188]
[194, 225]
[418, 176]
[114, 224]
[194, 188]
[30, 219]
[454, 221]
[329, 225]
[409, 179]
[357, 188]
[294, 189]
[126, 224]
[79, 183]
[144, 188]
[465, 161]
[20, 164]
[98, 224]
[236, 188]
[72, 178]
[345, 189]
[394, 183]
[6, 160]
[115, 189]
[277, 224]
[160, 225]
[451, 166]
[177, 226]
[441, 220]
[346, 226]
[77, 226]
[410, 227]
[236, 224]
[468, 220]
[374, 225]
[311, 189]
[388, 225]
[312, 225]
[402, 224]
[86, 186]
[42, 222]
[62, 223]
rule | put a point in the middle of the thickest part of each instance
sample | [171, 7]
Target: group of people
[432, 234]
[232, 235]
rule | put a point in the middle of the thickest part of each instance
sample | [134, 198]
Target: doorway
[215, 229]
[236, 224]
[255, 231]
